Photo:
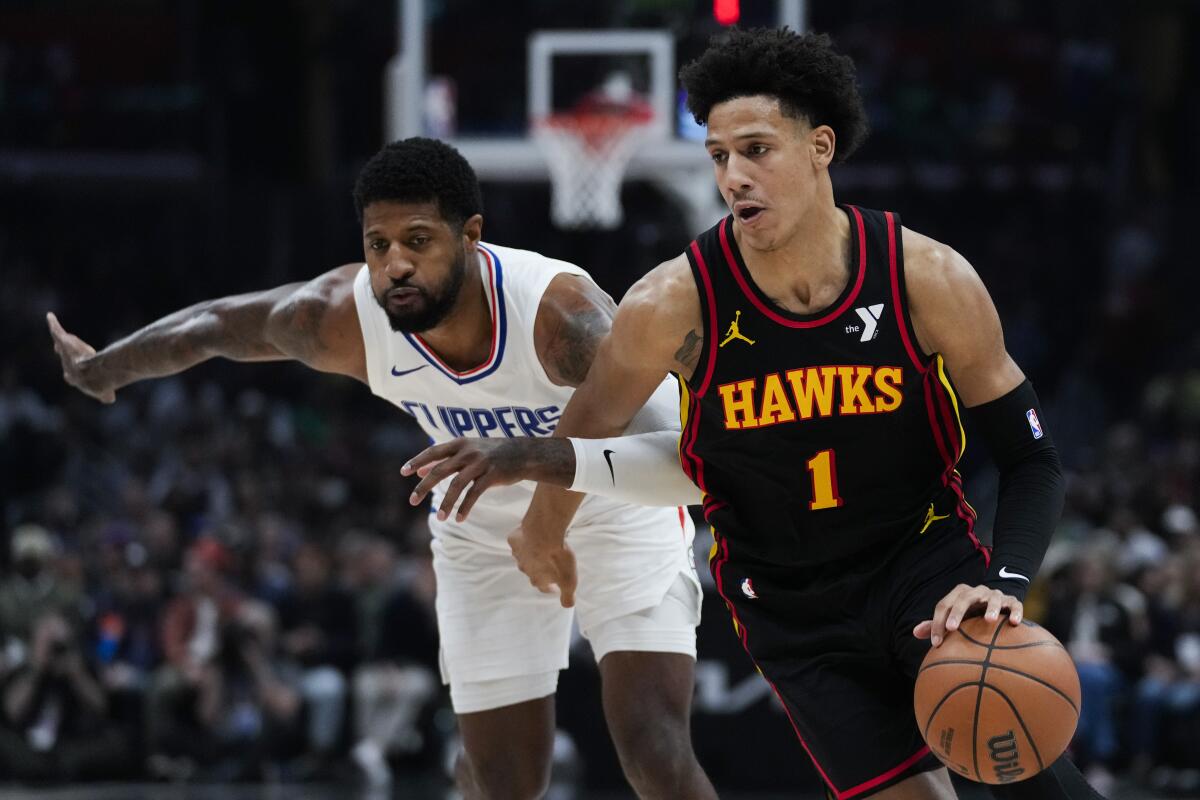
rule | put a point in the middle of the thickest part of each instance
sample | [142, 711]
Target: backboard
[425, 95]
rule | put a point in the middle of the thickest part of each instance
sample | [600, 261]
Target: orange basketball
[997, 703]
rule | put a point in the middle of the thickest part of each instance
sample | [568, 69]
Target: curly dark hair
[811, 80]
[420, 170]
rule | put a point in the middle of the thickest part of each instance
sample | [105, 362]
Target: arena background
[154, 153]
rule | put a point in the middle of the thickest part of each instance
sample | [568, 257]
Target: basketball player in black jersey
[826, 355]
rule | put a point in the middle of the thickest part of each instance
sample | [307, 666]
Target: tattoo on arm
[572, 349]
[688, 353]
[180, 341]
[296, 327]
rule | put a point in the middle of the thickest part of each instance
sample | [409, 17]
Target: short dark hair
[810, 79]
[420, 170]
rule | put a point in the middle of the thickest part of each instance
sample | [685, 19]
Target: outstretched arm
[314, 322]
[954, 316]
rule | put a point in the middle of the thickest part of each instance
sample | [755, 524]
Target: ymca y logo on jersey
[870, 316]
[811, 392]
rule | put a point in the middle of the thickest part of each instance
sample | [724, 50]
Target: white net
[587, 153]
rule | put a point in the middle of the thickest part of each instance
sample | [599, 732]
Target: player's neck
[464, 338]
[810, 268]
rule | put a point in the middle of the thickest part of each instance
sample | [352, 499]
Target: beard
[433, 304]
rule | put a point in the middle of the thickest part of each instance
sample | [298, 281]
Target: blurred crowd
[173, 608]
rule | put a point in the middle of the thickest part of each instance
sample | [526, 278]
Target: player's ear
[823, 142]
[472, 230]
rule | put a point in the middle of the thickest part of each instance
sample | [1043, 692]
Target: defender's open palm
[73, 352]
[547, 566]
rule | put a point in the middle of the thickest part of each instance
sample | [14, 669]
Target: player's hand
[476, 464]
[74, 352]
[547, 565]
[968, 601]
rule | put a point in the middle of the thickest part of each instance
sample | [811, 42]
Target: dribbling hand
[968, 601]
[74, 352]
[548, 566]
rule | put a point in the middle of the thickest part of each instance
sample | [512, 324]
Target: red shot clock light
[727, 12]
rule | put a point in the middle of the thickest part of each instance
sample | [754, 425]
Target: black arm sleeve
[1031, 487]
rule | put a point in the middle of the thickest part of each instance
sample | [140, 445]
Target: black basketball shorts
[836, 645]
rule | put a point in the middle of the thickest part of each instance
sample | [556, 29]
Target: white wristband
[643, 469]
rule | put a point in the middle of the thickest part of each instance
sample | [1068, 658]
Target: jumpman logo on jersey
[734, 332]
[931, 518]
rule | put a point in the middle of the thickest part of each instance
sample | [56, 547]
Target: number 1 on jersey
[823, 467]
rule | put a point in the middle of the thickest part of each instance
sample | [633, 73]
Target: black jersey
[815, 437]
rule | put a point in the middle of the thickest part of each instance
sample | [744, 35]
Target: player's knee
[500, 776]
[656, 755]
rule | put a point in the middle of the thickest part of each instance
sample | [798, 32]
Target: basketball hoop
[587, 150]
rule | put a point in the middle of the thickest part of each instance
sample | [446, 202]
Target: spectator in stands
[54, 712]
[1102, 624]
[319, 632]
[1166, 713]
[125, 636]
[258, 708]
[32, 590]
[398, 648]
[185, 694]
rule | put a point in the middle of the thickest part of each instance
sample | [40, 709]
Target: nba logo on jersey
[748, 589]
[1034, 424]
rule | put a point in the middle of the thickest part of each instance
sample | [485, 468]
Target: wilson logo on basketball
[1005, 757]
[947, 741]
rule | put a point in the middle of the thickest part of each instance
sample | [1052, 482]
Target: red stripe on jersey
[935, 425]
[711, 301]
[792, 323]
[897, 301]
[887, 776]
[694, 420]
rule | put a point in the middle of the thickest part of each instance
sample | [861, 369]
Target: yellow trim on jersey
[962, 434]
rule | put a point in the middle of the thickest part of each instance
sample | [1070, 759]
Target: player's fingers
[56, 329]
[923, 629]
[457, 486]
[940, 613]
[429, 456]
[994, 604]
[963, 604]
[433, 477]
[1016, 610]
[478, 487]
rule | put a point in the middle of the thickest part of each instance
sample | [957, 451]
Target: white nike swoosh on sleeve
[1004, 573]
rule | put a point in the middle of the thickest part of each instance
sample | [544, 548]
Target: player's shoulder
[660, 310]
[669, 287]
[514, 260]
[326, 292]
[933, 268]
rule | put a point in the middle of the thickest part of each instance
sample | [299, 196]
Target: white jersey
[510, 394]
[493, 625]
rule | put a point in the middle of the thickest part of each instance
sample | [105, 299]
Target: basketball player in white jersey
[476, 340]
